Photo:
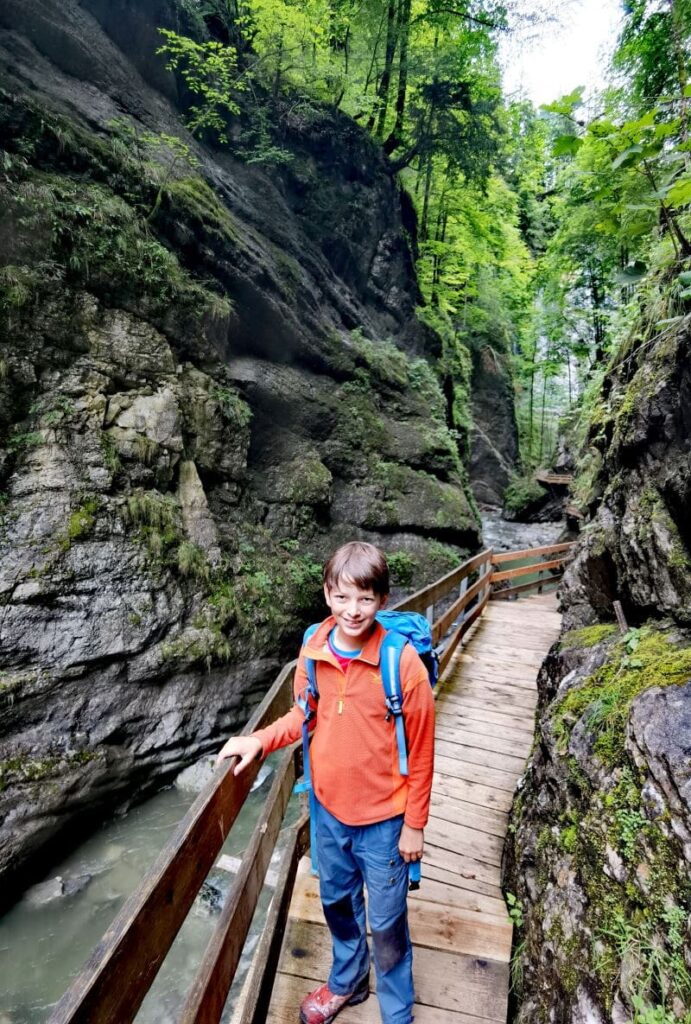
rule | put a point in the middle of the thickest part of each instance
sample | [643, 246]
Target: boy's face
[354, 610]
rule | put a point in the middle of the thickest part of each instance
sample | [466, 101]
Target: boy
[370, 818]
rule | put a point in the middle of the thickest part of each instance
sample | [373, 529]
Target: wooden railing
[120, 971]
[553, 568]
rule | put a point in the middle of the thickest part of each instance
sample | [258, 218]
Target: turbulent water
[497, 533]
[46, 937]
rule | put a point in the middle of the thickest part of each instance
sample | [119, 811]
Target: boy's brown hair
[360, 563]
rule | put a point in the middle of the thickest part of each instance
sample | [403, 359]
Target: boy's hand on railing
[411, 844]
[247, 748]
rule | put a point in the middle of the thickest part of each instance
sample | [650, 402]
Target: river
[47, 936]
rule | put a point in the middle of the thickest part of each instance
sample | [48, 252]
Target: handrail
[115, 979]
[554, 566]
[112, 984]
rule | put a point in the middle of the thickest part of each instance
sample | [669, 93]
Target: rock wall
[598, 859]
[210, 374]
[494, 454]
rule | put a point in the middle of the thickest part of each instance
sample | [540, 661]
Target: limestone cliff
[210, 374]
[599, 856]
[494, 455]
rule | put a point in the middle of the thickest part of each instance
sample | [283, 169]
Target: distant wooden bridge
[459, 923]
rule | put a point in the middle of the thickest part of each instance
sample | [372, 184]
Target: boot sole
[354, 1001]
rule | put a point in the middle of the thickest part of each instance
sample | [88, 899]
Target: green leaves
[210, 71]
[566, 145]
[679, 193]
[630, 156]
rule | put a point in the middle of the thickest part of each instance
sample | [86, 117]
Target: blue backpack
[402, 628]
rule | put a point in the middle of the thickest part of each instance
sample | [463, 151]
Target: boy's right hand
[244, 747]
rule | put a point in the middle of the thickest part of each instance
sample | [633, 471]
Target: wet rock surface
[636, 543]
[494, 434]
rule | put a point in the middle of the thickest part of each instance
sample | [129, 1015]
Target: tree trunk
[425, 201]
[396, 137]
[382, 105]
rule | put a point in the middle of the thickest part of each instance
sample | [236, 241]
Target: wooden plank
[449, 981]
[480, 774]
[459, 894]
[508, 592]
[463, 714]
[510, 556]
[500, 678]
[521, 674]
[451, 836]
[459, 812]
[420, 601]
[516, 745]
[254, 999]
[116, 977]
[476, 792]
[431, 926]
[499, 637]
[445, 868]
[502, 698]
[535, 620]
[544, 476]
[508, 696]
[463, 628]
[479, 712]
[518, 686]
[485, 878]
[445, 621]
[209, 990]
[291, 989]
[508, 764]
[449, 895]
[509, 649]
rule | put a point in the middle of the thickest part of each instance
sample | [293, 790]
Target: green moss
[521, 493]
[110, 454]
[357, 431]
[17, 287]
[312, 482]
[639, 660]
[83, 519]
[156, 519]
[386, 365]
[589, 636]
[21, 440]
[569, 838]
[423, 382]
[28, 768]
[192, 561]
[402, 567]
[202, 207]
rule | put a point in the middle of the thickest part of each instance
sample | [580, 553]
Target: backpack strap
[390, 663]
[307, 707]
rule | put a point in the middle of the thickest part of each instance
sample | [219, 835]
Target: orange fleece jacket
[353, 751]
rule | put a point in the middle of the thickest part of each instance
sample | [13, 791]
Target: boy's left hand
[411, 843]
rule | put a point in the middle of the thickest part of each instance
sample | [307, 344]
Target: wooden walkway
[459, 924]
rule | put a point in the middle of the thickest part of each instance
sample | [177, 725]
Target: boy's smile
[354, 610]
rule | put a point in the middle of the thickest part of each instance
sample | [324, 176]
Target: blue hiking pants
[349, 856]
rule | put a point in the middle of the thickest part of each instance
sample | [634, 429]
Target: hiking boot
[322, 1005]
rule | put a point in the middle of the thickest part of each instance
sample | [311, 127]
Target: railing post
[487, 567]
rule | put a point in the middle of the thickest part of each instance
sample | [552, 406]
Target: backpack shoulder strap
[310, 666]
[303, 702]
[390, 664]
